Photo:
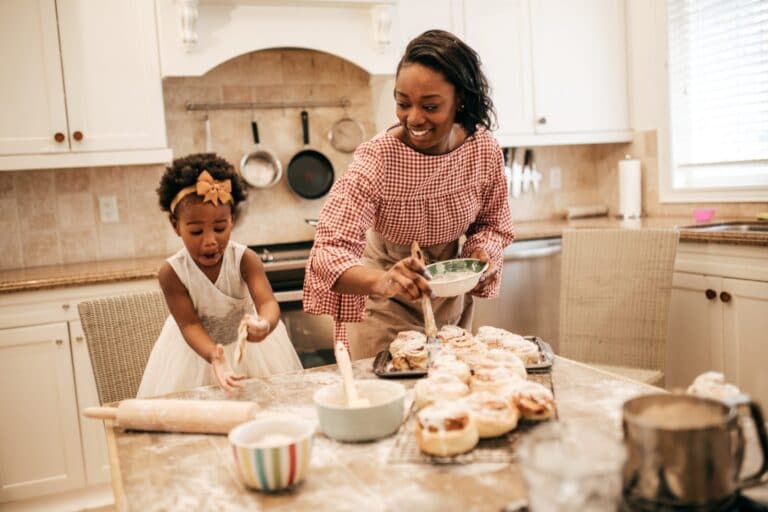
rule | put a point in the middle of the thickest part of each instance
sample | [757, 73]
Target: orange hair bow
[214, 191]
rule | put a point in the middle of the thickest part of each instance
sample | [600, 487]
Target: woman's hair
[185, 170]
[445, 53]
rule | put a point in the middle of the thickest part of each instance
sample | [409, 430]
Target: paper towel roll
[630, 187]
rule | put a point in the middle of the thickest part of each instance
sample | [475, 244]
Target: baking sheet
[382, 366]
[497, 449]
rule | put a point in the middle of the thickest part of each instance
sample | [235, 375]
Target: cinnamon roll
[409, 351]
[493, 414]
[493, 378]
[533, 400]
[438, 386]
[444, 362]
[494, 337]
[446, 428]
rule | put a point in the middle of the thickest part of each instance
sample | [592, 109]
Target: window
[718, 85]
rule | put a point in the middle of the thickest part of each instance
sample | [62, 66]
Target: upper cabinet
[557, 68]
[85, 85]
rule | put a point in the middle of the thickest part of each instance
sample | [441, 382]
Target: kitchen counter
[160, 471]
[80, 274]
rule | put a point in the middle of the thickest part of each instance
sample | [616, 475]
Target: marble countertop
[79, 274]
[161, 471]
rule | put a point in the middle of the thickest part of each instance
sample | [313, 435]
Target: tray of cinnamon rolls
[409, 355]
[478, 397]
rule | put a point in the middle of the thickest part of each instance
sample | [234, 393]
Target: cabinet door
[695, 339]
[91, 431]
[745, 328]
[499, 30]
[579, 66]
[31, 91]
[112, 74]
[40, 436]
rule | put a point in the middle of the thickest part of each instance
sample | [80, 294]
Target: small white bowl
[272, 453]
[455, 277]
[381, 418]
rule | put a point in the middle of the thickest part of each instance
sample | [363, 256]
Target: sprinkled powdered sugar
[434, 416]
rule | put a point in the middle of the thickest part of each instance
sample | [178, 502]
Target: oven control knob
[267, 256]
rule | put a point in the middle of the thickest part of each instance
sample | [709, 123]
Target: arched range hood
[197, 35]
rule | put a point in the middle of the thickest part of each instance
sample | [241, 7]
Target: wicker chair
[616, 287]
[120, 332]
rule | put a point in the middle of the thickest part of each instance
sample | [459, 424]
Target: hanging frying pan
[260, 168]
[310, 173]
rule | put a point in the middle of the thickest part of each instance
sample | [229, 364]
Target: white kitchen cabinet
[46, 445]
[719, 316]
[557, 69]
[40, 436]
[82, 85]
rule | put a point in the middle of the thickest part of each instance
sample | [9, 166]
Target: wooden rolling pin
[191, 416]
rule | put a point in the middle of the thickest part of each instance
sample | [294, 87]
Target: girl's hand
[489, 277]
[258, 328]
[228, 379]
[407, 278]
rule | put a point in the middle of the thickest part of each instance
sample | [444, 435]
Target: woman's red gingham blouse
[405, 195]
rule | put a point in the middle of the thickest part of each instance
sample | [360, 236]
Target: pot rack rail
[340, 103]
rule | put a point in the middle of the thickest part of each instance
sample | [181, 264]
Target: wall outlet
[108, 209]
[555, 178]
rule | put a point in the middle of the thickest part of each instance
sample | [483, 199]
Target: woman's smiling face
[426, 108]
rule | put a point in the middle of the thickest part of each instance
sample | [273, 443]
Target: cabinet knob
[725, 296]
[710, 293]
[78, 135]
[59, 137]
[542, 120]
[59, 342]
[79, 339]
[65, 307]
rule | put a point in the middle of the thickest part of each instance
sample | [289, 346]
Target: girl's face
[204, 228]
[426, 108]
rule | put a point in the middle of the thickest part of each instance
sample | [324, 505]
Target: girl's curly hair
[444, 52]
[185, 170]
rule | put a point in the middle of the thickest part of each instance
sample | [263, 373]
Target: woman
[435, 177]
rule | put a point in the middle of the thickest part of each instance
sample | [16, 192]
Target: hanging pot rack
[340, 103]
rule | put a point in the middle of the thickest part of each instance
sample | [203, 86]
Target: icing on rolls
[446, 428]
[447, 363]
[451, 332]
[409, 351]
[494, 415]
[513, 365]
[534, 401]
[438, 386]
[471, 355]
[494, 337]
[493, 378]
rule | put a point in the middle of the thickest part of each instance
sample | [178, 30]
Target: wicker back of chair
[616, 287]
[120, 332]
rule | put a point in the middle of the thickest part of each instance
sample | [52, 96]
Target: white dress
[174, 366]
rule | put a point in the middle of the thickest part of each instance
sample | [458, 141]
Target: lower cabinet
[46, 380]
[719, 317]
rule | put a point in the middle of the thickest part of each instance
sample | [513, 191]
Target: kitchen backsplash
[52, 216]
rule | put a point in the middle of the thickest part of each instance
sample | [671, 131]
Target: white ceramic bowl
[272, 453]
[380, 419]
[455, 277]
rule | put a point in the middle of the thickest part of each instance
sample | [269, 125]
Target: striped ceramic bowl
[272, 453]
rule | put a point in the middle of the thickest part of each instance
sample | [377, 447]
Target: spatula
[430, 328]
[345, 367]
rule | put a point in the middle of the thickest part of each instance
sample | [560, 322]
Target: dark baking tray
[382, 368]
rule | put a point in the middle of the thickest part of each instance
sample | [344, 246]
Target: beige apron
[384, 318]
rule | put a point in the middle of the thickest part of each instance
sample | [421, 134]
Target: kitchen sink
[743, 227]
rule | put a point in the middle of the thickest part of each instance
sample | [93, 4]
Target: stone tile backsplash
[52, 216]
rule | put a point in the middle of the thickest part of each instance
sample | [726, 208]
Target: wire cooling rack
[497, 449]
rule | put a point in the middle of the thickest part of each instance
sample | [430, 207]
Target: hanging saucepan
[346, 134]
[310, 173]
[260, 168]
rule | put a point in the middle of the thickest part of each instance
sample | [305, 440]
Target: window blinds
[718, 71]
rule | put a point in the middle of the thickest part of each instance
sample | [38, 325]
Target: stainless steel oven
[312, 335]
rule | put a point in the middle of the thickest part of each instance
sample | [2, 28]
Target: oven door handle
[288, 296]
[285, 265]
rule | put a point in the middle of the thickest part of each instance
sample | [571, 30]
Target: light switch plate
[108, 209]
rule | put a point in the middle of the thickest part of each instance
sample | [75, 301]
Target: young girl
[211, 287]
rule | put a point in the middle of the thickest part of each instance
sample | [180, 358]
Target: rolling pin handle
[100, 413]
